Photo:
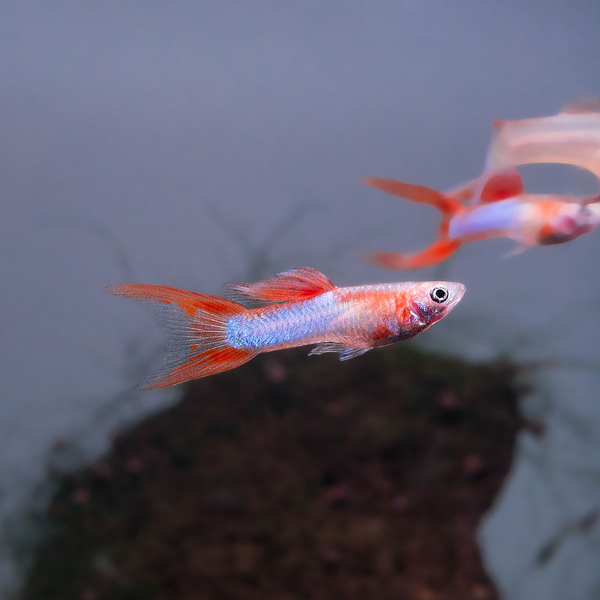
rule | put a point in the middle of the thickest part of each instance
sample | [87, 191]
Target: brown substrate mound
[293, 477]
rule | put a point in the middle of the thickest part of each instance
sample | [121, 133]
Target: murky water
[192, 145]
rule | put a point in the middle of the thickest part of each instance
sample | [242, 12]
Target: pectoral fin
[347, 352]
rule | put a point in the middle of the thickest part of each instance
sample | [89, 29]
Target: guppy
[571, 137]
[502, 210]
[209, 334]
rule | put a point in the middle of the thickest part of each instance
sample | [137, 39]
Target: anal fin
[350, 352]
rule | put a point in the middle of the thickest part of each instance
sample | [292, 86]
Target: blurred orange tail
[196, 332]
[447, 205]
[436, 253]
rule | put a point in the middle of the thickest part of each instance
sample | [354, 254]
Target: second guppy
[209, 334]
[502, 210]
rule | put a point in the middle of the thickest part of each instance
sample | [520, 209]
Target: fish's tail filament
[195, 325]
[434, 254]
[446, 204]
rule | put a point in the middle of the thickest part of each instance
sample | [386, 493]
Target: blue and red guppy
[209, 334]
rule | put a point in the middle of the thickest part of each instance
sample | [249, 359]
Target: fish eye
[439, 294]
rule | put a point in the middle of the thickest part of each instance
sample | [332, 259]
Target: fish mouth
[456, 293]
[594, 211]
[461, 288]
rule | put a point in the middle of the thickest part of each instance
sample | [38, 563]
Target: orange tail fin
[436, 253]
[196, 332]
[447, 205]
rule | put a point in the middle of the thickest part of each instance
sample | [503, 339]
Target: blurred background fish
[503, 210]
[572, 137]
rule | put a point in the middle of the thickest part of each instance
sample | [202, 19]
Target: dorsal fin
[297, 284]
[585, 105]
[502, 185]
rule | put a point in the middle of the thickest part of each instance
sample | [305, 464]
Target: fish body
[503, 210]
[358, 317]
[209, 334]
[529, 219]
[497, 219]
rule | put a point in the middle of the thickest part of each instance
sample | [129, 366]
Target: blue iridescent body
[504, 216]
[344, 315]
[276, 325]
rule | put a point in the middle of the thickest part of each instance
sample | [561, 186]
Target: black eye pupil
[439, 294]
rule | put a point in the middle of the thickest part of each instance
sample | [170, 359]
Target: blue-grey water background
[188, 144]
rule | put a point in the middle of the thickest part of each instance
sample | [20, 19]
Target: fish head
[588, 215]
[431, 301]
[572, 220]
